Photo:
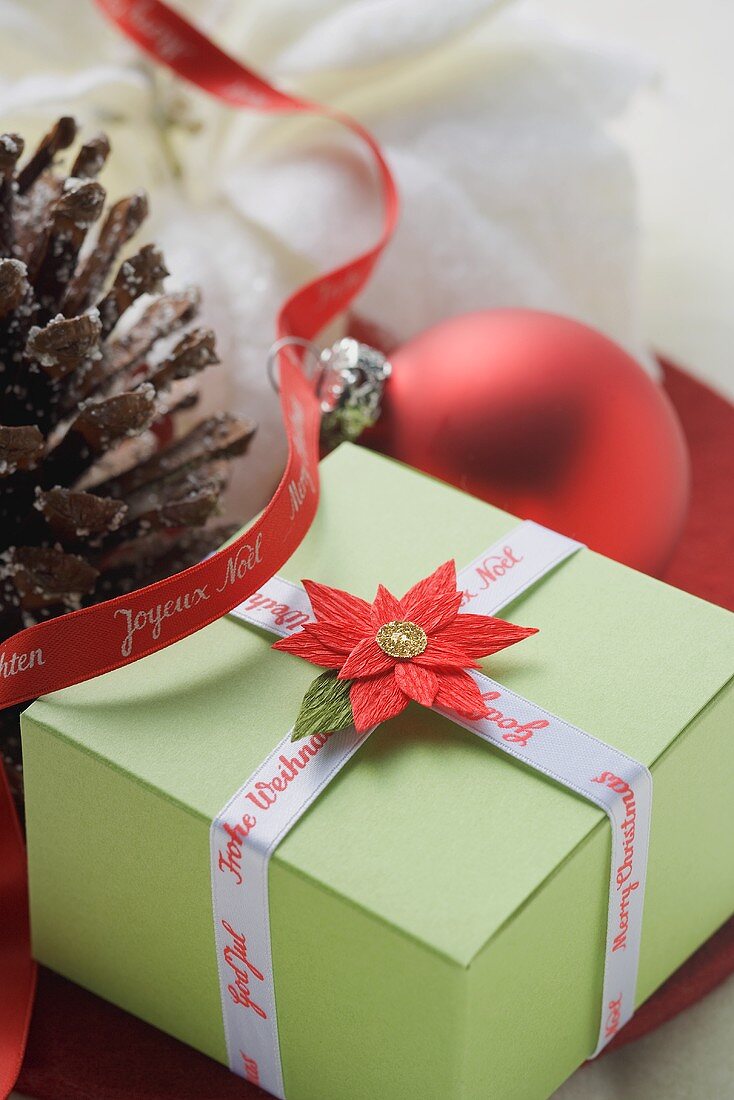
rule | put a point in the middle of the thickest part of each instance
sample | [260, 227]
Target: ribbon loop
[82, 644]
[86, 643]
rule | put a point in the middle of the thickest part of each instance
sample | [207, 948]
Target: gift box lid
[427, 828]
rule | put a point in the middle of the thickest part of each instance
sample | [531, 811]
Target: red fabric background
[81, 1048]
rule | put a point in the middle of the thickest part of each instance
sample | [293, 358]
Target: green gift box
[438, 916]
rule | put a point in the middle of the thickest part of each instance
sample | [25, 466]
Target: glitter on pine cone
[91, 505]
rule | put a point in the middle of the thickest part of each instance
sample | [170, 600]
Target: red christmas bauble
[548, 419]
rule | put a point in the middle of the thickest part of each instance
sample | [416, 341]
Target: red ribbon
[86, 643]
[17, 969]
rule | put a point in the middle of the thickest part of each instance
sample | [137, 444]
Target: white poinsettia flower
[496, 125]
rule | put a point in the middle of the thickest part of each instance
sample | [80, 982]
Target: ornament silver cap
[349, 379]
[351, 386]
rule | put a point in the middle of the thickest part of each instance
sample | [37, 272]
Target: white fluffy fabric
[497, 125]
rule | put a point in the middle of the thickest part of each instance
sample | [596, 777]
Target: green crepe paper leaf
[326, 707]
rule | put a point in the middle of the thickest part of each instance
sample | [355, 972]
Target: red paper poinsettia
[391, 651]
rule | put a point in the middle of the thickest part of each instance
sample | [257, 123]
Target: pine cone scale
[86, 510]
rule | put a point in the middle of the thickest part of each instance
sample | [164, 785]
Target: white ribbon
[249, 827]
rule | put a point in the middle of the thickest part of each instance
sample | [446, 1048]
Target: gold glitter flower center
[402, 639]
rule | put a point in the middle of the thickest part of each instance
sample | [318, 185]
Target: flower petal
[375, 700]
[385, 608]
[306, 643]
[342, 619]
[418, 683]
[458, 692]
[441, 654]
[366, 659]
[434, 601]
[481, 635]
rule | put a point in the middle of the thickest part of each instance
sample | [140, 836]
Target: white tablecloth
[689, 1058]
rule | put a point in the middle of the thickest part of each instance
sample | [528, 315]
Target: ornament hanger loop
[286, 343]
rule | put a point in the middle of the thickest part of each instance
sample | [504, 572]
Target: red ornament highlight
[546, 418]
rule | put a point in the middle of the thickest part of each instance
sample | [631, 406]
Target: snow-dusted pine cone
[91, 503]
